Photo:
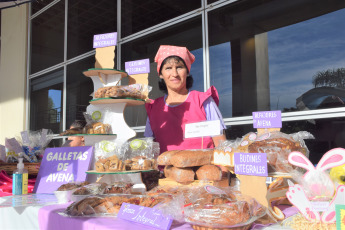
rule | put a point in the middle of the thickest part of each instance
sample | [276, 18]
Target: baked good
[94, 189]
[277, 146]
[140, 163]
[164, 158]
[209, 172]
[119, 187]
[100, 92]
[245, 142]
[180, 175]
[191, 158]
[109, 164]
[71, 186]
[84, 207]
[214, 209]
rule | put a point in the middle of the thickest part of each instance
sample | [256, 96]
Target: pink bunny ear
[298, 159]
[332, 158]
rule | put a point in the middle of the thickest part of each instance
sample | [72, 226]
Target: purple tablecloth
[49, 219]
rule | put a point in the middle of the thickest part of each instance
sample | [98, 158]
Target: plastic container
[20, 179]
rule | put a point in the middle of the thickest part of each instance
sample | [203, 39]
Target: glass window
[38, 5]
[46, 93]
[306, 61]
[264, 59]
[137, 15]
[188, 34]
[47, 38]
[79, 89]
[85, 19]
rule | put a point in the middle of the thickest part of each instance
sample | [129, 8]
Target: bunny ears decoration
[317, 186]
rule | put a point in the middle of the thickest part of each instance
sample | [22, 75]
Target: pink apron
[168, 123]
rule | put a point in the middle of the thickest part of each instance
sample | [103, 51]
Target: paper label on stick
[138, 66]
[202, 129]
[267, 119]
[254, 164]
[144, 215]
[104, 40]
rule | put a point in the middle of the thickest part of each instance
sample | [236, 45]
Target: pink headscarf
[165, 51]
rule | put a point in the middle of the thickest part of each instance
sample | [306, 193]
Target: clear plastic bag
[141, 154]
[278, 146]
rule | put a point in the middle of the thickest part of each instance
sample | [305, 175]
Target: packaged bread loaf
[278, 146]
[180, 175]
[209, 172]
[164, 158]
[191, 158]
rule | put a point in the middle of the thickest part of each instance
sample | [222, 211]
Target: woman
[77, 140]
[168, 115]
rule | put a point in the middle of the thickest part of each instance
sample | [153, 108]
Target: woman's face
[175, 75]
[76, 140]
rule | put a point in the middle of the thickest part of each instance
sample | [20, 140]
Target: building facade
[260, 55]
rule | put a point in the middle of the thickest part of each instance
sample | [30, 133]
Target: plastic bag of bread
[109, 205]
[224, 152]
[186, 158]
[278, 146]
[215, 207]
[120, 187]
[136, 91]
[108, 157]
[141, 154]
[90, 189]
[94, 124]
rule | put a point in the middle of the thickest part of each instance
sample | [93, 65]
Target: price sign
[202, 129]
[143, 215]
[267, 119]
[138, 67]
[62, 165]
[104, 40]
[253, 164]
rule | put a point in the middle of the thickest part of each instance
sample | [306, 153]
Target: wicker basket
[10, 167]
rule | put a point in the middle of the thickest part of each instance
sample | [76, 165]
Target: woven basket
[10, 167]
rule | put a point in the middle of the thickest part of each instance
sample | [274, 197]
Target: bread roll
[191, 158]
[209, 172]
[180, 175]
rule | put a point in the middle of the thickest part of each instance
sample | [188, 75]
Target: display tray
[128, 100]
[119, 172]
[279, 174]
[94, 72]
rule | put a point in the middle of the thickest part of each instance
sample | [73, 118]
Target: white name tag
[202, 129]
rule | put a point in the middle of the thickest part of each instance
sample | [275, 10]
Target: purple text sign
[138, 66]
[62, 165]
[267, 119]
[254, 164]
[143, 215]
[104, 40]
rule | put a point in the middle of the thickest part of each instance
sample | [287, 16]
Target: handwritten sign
[267, 119]
[62, 165]
[104, 40]
[340, 216]
[202, 129]
[254, 164]
[143, 215]
[138, 67]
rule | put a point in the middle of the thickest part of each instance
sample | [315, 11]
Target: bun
[180, 175]
[209, 172]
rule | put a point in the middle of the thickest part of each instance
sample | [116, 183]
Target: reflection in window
[188, 34]
[221, 75]
[46, 94]
[38, 5]
[47, 39]
[138, 15]
[85, 19]
[300, 53]
[79, 89]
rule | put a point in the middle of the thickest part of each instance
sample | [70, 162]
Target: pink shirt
[167, 123]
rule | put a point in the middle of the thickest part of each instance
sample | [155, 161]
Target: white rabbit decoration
[317, 185]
